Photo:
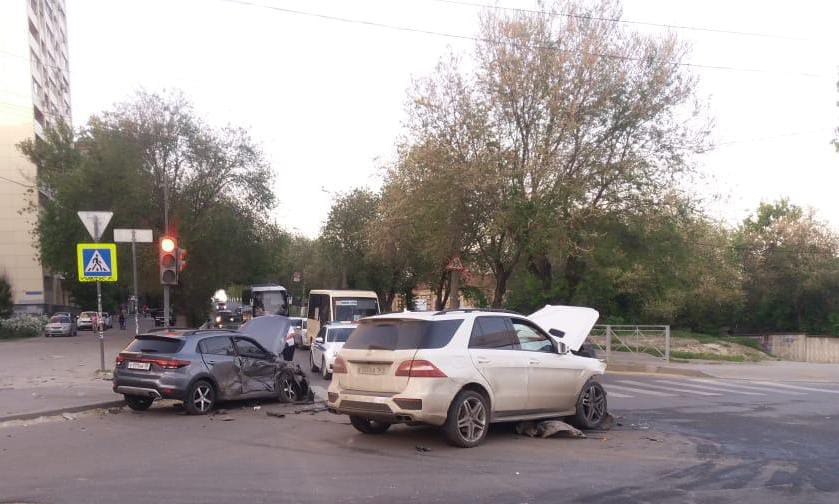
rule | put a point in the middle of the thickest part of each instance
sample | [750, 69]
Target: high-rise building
[34, 94]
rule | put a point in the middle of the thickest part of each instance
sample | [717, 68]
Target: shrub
[6, 303]
[25, 326]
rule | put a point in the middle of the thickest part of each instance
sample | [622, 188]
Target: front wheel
[591, 406]
[287, 388]
[324, 371]
[138, 403]
[367, 426]
[467, 423]
[312, 362]
[200, 398]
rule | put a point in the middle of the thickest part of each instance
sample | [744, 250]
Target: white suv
[464, 369]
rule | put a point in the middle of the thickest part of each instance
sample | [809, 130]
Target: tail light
[164, 362]
[339, 366]
[419, 369]
[120, 359]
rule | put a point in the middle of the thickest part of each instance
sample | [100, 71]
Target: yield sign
[95, 222]
[97, 262]
[455, 264]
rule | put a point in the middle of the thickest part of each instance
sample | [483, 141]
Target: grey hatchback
[203, 366]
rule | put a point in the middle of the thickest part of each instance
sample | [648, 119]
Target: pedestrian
[122, 319]
[288, 349]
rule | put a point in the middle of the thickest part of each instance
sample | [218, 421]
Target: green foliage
[25, 326]
[6, 301]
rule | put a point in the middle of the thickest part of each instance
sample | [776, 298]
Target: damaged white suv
[464, 369]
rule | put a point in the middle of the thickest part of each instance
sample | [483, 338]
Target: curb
[655, 369]
[59, 411]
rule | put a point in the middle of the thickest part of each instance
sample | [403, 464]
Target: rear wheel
[468, 420]
[324, 371]
[200, 398]
[138, 403]
[591, 406]
[367, 426]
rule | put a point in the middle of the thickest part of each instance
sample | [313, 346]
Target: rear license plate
[372, 370]
[144, 366]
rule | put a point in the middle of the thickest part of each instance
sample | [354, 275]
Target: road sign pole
[99, 326]
[165, 306]
[136, 292]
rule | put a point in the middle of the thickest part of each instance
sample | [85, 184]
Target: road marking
[608, 393]
[796, 387]
[708, 387]
[639, 391]
[747, 387]
[671, 389]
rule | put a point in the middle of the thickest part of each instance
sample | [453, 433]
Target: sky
[326, 98]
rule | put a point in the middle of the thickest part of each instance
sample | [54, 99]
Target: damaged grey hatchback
[203, 366]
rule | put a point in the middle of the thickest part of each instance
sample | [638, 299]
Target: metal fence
[648, 339]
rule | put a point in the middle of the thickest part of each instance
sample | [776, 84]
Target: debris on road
[422, 449]
[275, 414]
[548, 428]
[68, 416]
[255, 408]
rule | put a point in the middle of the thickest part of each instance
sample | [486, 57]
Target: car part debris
[275, 414]
[423, 449]
[548, 428]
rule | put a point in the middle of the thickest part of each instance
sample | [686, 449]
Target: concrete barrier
[802, 348]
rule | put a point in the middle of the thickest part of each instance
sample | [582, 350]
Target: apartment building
[34, 94]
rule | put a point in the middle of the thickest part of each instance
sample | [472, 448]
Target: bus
[326, 306]
[265, 299]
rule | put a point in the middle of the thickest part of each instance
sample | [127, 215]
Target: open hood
[269, 330]
[574, 321]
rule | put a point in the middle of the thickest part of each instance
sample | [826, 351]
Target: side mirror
[318, 340]
[561, 348]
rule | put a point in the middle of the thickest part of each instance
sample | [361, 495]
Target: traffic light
[168, 261]
[181, 259]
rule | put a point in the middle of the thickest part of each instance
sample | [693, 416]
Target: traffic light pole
[136, 292]
[165, 306]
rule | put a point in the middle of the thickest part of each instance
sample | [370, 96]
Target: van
[327, 306]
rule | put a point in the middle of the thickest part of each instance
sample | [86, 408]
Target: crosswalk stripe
[637, 390]
[796, 387]
[617, 394]
[671, 389]
[708, 387]
[747, 387]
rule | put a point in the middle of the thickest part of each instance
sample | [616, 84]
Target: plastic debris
[548, 428]
[422, 449]
[275, 414]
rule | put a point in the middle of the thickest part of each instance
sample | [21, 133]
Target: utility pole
[166, 233]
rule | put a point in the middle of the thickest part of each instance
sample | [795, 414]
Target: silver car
[60, 325]
[203, 366]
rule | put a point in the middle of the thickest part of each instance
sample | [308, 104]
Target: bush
[25, 326]
[6, 304]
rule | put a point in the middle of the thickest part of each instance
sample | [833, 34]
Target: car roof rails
[473, 310]
[158, 329]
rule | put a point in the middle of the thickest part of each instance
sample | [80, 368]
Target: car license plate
[144, 366]
[372, 370]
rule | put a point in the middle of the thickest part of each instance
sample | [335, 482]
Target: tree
[125, 160]
[562, 119]
[6, 301]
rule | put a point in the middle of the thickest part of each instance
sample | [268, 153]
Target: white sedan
[329, 340]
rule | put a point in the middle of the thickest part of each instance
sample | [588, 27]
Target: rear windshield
[402, 334]
[296, 323]
[339, 335]
[155, 344]
[60, 320]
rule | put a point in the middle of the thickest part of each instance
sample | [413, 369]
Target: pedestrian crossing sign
[97, 262]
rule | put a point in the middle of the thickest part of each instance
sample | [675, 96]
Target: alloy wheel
[202, 398]
[594, 403]
[472, 419]
[287, 389]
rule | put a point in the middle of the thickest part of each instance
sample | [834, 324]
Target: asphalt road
[680, 440]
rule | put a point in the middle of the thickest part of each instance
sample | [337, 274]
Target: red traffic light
[167, 244]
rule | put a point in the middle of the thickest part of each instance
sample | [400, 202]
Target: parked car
[328, 341]
[298, 325]
[158, 318]
[464, 369]
[203, 366]
[60, 325]
[86, 320]
[226, 319]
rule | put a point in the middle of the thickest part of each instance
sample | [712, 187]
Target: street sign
[133, 235]
[95, 222]
[296, 277]
[97, 262]
[455, 264]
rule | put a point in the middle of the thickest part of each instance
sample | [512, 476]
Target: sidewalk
[786, 371]
[48, 376]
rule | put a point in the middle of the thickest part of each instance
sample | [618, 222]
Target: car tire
[200, 398]
[324, 371]
[287, 389]
[312, 362]
[367, 426]
[467, 422]
[592, 407]
[138, 403]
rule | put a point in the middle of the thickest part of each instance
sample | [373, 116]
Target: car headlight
[218, 319]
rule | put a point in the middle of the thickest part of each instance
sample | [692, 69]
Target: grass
[678, 354]
[709, 338]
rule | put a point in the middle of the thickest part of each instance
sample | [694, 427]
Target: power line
[619, 20]
[501, 42]
[17, 182]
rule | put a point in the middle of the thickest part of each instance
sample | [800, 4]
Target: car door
[220, 357]
[551, 377]
[257, 367]
[493, 349]
[317, 349]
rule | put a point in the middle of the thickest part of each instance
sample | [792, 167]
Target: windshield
[87, 314]
[270, 303]
[296, 323]
[351, 309]
[154, 344]
[339, 335]
[403, 334]
[60, 320]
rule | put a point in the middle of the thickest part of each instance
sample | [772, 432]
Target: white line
[671, 389]
[616, 394]
[796, 387]
[747, 387]
[637, 391]
[707, 387]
